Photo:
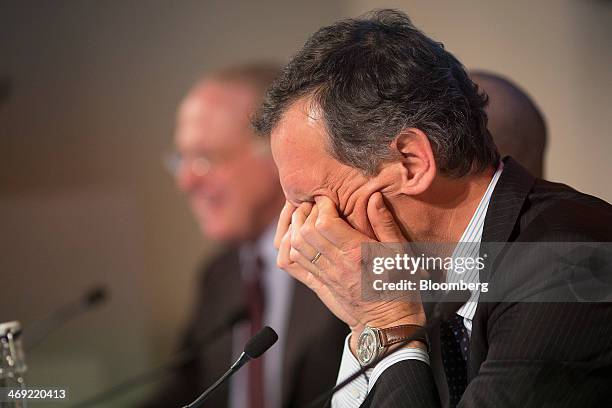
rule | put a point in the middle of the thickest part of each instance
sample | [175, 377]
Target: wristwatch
[373, 342]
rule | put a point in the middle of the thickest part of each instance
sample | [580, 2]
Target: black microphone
[255, 347]
[443, 308]
[36, 332]
[177, 360]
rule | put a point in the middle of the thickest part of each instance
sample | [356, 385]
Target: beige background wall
[84, 198]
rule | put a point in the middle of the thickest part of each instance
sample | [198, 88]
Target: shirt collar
[472, 237]
[473, 232]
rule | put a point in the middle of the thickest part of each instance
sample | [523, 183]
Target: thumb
[383, 223]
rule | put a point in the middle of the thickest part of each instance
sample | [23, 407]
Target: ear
[417, 166]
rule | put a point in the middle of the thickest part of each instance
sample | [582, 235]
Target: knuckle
[307, 230]
[294, 254]
[386, 221]
[353, 255]
[282, 263]
[297, 242]
[322, 224]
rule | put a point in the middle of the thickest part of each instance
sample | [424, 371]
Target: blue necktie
[455, 350]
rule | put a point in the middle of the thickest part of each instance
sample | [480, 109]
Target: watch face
[367, 346]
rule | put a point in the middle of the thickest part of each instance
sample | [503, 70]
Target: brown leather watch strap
[397, 334]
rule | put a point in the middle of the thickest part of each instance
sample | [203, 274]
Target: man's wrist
[353, 339]
[416, 344]
[382, 323]
[414, 320]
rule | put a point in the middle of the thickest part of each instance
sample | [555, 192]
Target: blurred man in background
[231, 182]
[515, 122]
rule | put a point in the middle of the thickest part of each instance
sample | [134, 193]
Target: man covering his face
[379, 135]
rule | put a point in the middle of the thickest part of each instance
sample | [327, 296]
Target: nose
[192, 173]
[185, 179]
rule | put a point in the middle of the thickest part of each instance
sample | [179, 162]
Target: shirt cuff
[355, 392]
[353, 395]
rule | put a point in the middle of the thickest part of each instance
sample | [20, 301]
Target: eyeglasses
[199, 165]
[202, 164]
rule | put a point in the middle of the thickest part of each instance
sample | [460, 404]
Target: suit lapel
[500, 225]
[503, 213]
[506, 203]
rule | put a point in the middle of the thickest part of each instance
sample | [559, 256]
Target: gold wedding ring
[316, 258]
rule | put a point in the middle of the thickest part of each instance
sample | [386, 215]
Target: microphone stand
[36, 332]
[242, 360]
[254, 348]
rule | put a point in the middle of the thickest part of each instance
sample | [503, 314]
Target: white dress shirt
[353, 395]
[278, 292]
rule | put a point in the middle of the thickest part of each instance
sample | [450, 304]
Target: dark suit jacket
[313, 346]
[523, 354]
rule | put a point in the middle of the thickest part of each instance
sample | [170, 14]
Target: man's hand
[335, 275]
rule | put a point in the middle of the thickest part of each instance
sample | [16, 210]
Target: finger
[334, 228]
[314, 238]
[283, 223]
[297, 228]
[303, 253]
[299, 266]
[320, 269]
[306, 208]
[382, 220]
[306, 262]
[285, 263]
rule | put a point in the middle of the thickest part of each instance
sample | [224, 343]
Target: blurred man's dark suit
[523, 354]
[312, 349]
